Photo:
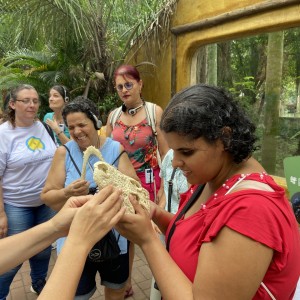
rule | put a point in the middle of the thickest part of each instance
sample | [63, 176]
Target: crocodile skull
[106, 174]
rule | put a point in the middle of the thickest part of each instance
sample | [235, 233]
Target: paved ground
[141, 280]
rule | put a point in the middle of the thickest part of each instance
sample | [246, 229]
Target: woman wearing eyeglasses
[58, 97]
[26, 152]
[132, 126]
[136, 126]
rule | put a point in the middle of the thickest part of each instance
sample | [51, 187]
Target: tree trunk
[298, 99]
[272, 100]
[201, 65]
[212, 65]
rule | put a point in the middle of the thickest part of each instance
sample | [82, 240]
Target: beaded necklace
[229, 189]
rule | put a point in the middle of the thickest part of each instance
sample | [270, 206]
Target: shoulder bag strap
[191, 201]
[49, 130]
[170, 188]
[118, 157]
[151, 116]
[73, 161]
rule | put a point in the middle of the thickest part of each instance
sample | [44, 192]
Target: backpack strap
[151, 115]
[115, 115]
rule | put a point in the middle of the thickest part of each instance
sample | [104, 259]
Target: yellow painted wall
[158, 79]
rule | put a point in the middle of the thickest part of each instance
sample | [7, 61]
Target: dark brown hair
[10, 114]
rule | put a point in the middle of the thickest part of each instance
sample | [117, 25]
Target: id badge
[149, 175]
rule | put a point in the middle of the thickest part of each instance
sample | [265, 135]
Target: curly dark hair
[211, 112]
[83, 105]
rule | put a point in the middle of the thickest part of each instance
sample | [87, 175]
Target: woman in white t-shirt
[26, 152]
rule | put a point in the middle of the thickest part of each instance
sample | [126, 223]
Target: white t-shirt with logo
[25, 157]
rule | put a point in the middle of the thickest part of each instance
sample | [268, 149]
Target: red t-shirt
[263, 216]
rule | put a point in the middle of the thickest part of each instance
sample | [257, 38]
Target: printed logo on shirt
[34, 143]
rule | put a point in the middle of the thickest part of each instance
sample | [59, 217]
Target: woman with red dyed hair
[136, 126]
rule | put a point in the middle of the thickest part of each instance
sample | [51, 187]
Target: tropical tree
[212, 64]
[70, 42]
[96, 33]
[272, 100]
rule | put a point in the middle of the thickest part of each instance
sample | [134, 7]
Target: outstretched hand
[137, 227]
[103, 207]
[99, 215]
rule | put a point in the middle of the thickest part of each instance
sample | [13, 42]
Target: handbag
[107, 248]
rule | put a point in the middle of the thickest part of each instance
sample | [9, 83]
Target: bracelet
[59, 133]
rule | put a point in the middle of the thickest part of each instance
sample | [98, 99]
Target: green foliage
[66, 42]
[109, 102]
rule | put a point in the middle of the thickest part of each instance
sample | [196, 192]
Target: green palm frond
[59, 41]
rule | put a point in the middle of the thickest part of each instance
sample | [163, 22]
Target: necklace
[226, 189]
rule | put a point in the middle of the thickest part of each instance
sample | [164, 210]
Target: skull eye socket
[103, 167]
[135, 183]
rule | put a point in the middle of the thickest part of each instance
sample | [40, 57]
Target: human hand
[79, 187]
[3, 224]
[95, 218]
[153, 207]
[63, 219]
[156, 228]
[53, 125]
[161, 199]
[136, 227]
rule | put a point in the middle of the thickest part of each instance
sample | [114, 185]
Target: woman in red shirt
[235, 235]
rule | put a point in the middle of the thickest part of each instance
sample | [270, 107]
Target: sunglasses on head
[128, 86]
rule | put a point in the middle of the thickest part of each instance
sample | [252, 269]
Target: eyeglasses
[127, 85]
[27, 101]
